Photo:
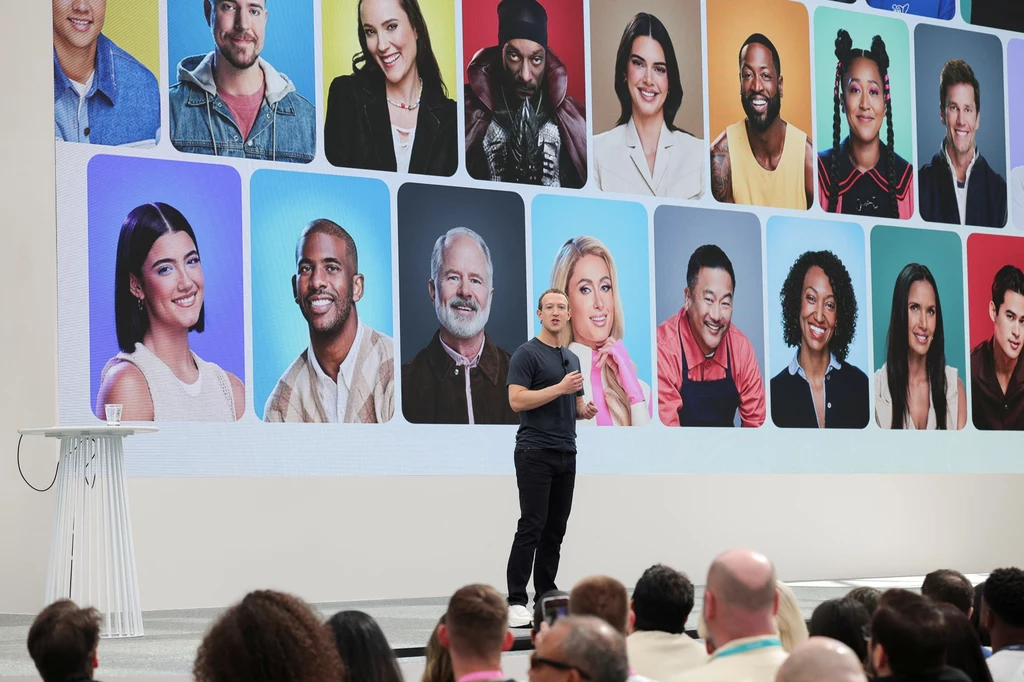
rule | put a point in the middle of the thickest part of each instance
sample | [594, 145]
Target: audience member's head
[843, 620]
[740, 599]
[950, 587]
[62, 641]
[868, 596]
[475, 629]
[438, 667]
[365, 652]
[603, 597]
[578, 648]
[1003, 607]
[538, 611]
[268, 637]
[963, 649]
[979, 596]
[662, 600]
[820, 659]
[789, 621]
[908, 635]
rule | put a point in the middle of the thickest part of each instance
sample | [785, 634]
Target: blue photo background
[787, 239]
[210, 198]
[287, 46]
[282, 204]
[622, 228]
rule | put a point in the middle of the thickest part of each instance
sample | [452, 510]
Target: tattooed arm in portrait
[721, 170]
[809, 158]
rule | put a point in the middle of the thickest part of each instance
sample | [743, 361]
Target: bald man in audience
[822, 659]
[740, 603]
[578, 648]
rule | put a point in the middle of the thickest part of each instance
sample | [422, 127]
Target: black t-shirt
[552, 426]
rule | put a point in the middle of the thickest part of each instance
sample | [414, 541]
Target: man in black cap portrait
[521, 124]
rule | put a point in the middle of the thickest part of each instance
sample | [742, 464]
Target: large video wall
[314, 231]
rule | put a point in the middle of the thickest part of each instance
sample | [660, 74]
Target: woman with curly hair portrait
[863, 175]
[819, 389]
[268, 637]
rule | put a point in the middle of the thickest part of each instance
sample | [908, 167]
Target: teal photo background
[282, 204]
[787, 239]
[622, 228]
[862, 28]
[965, 9]
[892, 248]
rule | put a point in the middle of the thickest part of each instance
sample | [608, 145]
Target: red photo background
[986, 253]
[565, 36]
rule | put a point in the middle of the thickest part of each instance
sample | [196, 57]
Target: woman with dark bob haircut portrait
[392, 113]
[158, 299]
[365, 652]
[819, 389]
[645, 153]
[915, 388]
[268, 637]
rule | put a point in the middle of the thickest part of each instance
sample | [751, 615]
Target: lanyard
[744, 648]
[482, 675]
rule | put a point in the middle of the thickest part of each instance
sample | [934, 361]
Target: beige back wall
[204, 542]
[608, 19]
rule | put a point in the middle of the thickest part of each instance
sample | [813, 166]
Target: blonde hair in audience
[439, 662]
[789, 621]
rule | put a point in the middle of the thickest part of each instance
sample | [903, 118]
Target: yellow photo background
[134, 26]
[341, 41]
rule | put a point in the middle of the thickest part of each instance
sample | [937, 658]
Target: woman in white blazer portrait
[645, 153]
[585, 271]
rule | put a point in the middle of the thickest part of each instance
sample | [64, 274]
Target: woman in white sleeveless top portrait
[158, 299]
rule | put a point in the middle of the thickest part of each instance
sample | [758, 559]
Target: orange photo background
[730, 23]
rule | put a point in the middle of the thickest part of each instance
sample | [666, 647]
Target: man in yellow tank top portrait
[762, 160]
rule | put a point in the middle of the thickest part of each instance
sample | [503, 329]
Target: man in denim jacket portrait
[232, 102]
[101, 94]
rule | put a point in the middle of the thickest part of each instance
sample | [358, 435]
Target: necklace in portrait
[403, 105]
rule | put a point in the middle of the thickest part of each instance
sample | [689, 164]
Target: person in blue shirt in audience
[934, 9]
[101, 94]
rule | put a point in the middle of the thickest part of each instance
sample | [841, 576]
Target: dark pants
[546, 479]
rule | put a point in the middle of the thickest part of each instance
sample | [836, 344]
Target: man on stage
[546, 388]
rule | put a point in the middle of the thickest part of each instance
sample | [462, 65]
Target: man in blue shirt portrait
[935, 9]
[231, 101]
[101, 94]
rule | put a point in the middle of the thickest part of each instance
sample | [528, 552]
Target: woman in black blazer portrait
[392, 113]
[819, 389]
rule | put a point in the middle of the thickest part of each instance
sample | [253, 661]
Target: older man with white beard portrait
[459, 378]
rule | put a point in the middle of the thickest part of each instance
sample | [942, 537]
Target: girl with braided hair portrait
[862, 175]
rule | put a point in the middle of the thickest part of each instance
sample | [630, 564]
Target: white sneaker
[519, 616]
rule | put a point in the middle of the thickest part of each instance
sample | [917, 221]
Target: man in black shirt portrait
[545, 387]
[997, 375]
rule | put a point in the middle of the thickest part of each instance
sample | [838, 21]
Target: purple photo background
[210, 198]
[1015, 81]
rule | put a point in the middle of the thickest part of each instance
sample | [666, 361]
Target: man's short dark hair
[603, 597]
[951, 587]
[1009, 278]
[707, 256]
[955, 72]
[912, 631]
[540, 301]
[1004, 594]
[868, 596]
[331, 229]
[662, 600]
[62, 641]
[762, 40]
[477, 620]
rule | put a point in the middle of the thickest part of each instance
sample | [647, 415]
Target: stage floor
[172, 637]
